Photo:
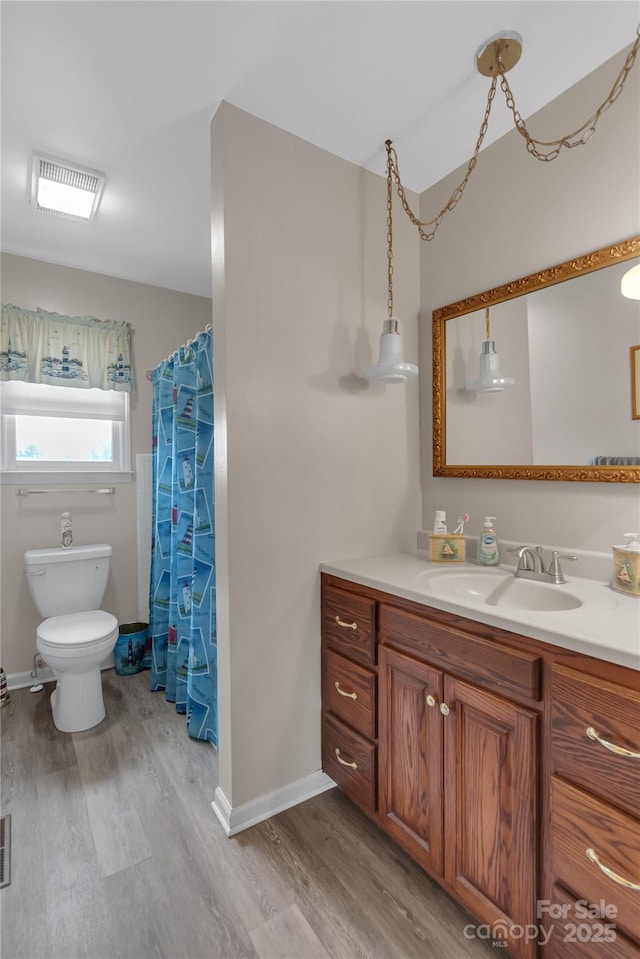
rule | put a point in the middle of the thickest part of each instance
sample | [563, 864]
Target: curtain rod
[149, 373]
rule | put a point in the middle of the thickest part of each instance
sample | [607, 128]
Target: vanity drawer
[348, 624]
[350, 761]
[484, 661]
[574, 935]
[579, 703]
[578, 823]
[350, 693]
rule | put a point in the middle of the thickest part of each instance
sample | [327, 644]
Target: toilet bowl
[67, 585]
[75, 646]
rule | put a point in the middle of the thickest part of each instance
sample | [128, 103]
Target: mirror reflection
[561, 393]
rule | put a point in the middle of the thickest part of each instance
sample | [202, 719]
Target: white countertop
[606, 626]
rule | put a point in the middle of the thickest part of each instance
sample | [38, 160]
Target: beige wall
[161, 321]
[519, 215]
[312, 463]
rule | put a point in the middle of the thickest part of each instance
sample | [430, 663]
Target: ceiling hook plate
[502, 48]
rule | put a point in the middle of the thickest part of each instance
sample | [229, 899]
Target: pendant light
[494, 59]
[489, 378]
[630, 283]
[390, 368]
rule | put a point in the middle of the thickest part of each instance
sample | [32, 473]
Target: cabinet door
[490, 813]
[410, 743]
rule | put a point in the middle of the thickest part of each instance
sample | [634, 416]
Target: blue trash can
[129, 650]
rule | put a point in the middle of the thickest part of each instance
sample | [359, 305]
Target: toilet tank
[69, 580]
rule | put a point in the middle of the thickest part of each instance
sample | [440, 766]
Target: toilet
[67, 586]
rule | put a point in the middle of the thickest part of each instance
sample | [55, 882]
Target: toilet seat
[75, 631]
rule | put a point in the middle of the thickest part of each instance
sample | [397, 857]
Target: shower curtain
[182, 598]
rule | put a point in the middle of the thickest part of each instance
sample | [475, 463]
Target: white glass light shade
[390, 368]
[490, 380]
[630, 283]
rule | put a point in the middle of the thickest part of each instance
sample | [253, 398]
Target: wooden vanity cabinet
[488, 757]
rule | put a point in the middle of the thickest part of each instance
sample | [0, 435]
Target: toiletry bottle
[440, 522]
[488, 554]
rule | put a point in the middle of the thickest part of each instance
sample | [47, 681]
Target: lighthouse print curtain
[78, 351]
[182, 597]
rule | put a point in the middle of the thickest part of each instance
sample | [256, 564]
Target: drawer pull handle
[344, 625]
[343, 762]
[342, 692]
[618, 750]
[431, 700]
[592, 855]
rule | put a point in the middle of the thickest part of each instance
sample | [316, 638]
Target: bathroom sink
[499, 588]
[470, 587]
[526, 594]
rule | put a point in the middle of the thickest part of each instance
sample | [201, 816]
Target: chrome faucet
[529, 560]
[531, 564]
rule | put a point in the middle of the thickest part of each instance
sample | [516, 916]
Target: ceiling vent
[65, 189]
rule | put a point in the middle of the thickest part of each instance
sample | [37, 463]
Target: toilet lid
[77, 629]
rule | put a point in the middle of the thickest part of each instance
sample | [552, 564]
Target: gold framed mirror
[561, 410]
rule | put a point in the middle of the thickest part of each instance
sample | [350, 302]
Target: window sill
[57, 478]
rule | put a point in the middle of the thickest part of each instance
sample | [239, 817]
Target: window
[59, 434]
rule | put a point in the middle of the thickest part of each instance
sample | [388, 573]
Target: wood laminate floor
[117, 854]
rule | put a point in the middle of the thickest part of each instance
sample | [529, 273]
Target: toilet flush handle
[37, 572]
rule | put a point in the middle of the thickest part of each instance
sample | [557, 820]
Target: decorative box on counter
[447, 547]
[626, 566]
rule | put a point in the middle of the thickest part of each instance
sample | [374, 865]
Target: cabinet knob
[444, 709]
[343, 762]
[592, 856]
[344, 625]
[618, 750]
[343, 693]
[431, 700]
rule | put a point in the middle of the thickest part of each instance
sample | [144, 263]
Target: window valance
[78, 351]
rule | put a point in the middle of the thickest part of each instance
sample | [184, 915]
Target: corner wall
[519, 215]
[313, 464]
[161, 320]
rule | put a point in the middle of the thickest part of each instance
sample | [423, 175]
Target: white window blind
[39, 399]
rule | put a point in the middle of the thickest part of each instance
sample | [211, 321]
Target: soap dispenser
[488, 553]
[626, 565]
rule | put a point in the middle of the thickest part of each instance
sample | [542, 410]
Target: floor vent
[5, 851]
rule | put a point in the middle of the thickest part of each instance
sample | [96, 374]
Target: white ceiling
[129, 88]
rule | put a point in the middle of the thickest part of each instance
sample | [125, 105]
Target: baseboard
[20, 680]
[235, 819]
[45, 675]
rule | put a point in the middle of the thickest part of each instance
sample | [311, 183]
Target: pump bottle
[488, 553]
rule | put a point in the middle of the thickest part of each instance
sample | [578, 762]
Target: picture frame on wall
[635, 382]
